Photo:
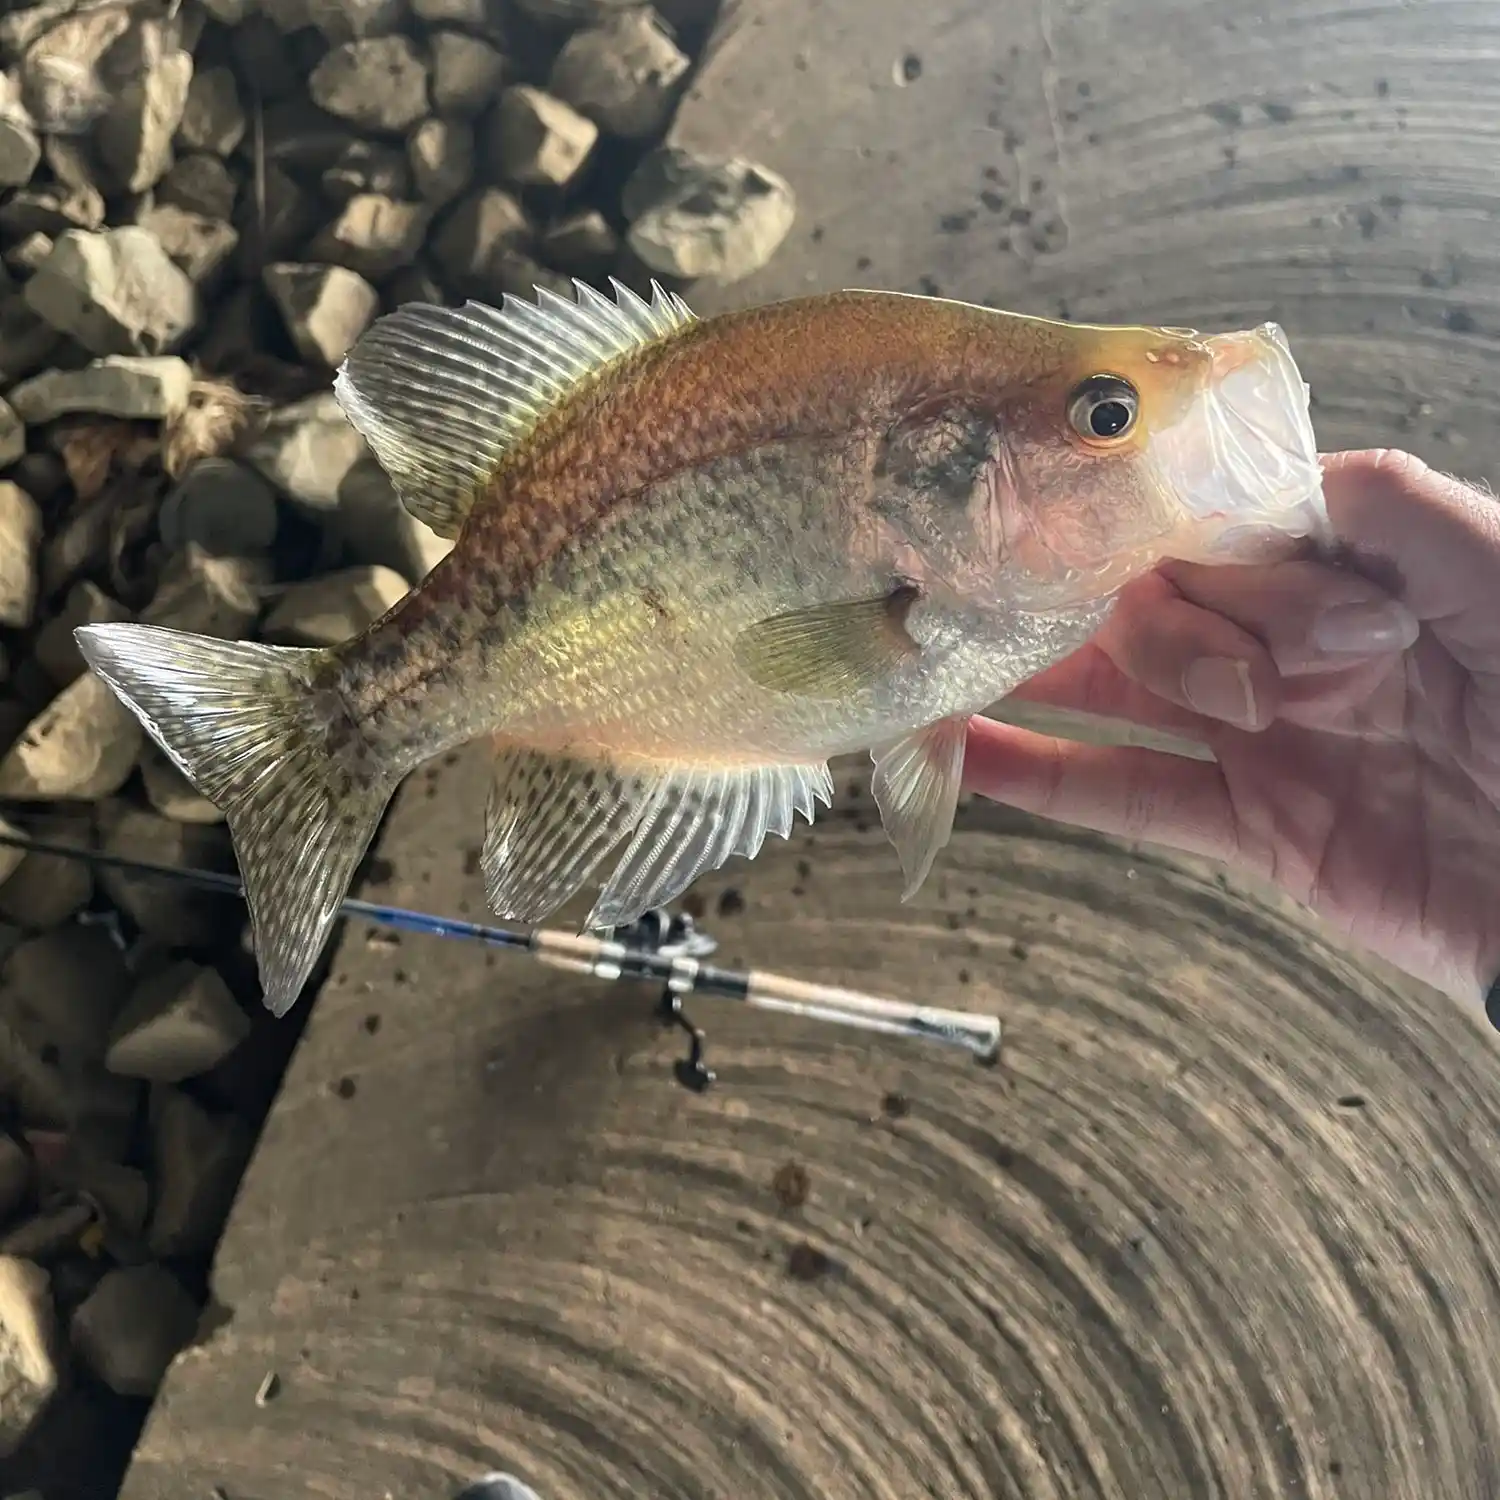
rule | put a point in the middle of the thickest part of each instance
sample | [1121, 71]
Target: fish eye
[1103, 409]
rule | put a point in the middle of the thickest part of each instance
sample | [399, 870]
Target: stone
[15, 1177]
[10, 857]
[374, 237]
[442, 159]
[197, 1160]
[201, 184]
[132, 1326]
[467, 73]
[134, 137]
[213, 119]
[178, 1023]
[623, 73]
[326, 611]
[61, 990]
[50, 210]
[366, 167]
[206, 595]
[200, 247]
[20, 545]
[290, 213]
[142, 388]
[415, 283]
[60, 79]
[24, 257]
[121, 1193]
[83, 745]
[170, 793]
[71, 160]
[378, 84]
[56, 649]
[230, 12]
[480, 231]
[538, 140]
[483, 17]
[45, 891]
[20, 147]
[29, 1376]
[722, 220]
[222, 505]
[115, 292]
[175, 913]
[582, 242]
[12, 436]
[307, 450]
[27, 343]
[374, 527]
[325, 308]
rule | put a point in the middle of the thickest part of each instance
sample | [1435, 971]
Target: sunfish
[697, 557]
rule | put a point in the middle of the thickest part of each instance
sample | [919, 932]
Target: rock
[289, 214]
[55, 649]
[23, 258]
[134, 138]
[144, 388]
[28, 1368]
[15, 1177]
[170, 793]
[325, 611]
[83, 745]
[307, 451]
[45, 891]
[378, 84]
[10, 857]
[200, 247]
[20, 544]
[173, 912]
[197, 1160]
[20, 148]
[115, 292]
[366, 167]
[120, 1192]
[622, 73]
[61, 990]
[442, 160]
[132, 1326]
[536, 139]
[582, 242]
[325, 308]
[213, 119]
[201, 184]
[373, 237]
[374, 527]
[72, 161]
[178, 1023]
[719, 220]
[466, 73]
[417, 283]
[12, 437]
[482, 230]
[26, 344]
[484, 17]
[60, 79]
[50, 210]
[206, 595]
[225, 507]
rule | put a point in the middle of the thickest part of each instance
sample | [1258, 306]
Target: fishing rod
[660, 946]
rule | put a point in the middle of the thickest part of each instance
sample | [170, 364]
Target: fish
[697, 558]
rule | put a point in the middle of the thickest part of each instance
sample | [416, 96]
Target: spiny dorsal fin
[440, 393]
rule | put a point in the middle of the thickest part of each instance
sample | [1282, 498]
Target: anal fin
[916, 785]
[553, 819]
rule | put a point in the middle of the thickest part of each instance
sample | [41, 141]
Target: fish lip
[1241, 465]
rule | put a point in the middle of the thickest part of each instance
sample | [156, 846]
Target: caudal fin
[254, 731]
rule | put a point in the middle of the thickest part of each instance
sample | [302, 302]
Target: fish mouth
[1242, 464]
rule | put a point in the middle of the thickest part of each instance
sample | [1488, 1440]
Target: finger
[1123, 791]
[1193, 657]
[1310, 617]
[1089, 682]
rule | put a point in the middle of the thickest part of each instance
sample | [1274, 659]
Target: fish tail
[264, 733]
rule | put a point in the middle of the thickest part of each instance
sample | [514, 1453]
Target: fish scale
[694, 559]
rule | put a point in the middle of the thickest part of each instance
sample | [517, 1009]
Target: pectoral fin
[553, 820]
[916, 786]
[830, 650]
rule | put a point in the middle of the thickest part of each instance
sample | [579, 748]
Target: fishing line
[660, 947]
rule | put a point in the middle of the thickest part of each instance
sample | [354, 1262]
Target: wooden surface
[1221, 1223]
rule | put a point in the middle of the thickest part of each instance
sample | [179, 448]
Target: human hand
[1353, 713]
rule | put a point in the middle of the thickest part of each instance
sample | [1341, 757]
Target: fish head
[1142, 444]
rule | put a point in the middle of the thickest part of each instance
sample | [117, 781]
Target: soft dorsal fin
[440, 393]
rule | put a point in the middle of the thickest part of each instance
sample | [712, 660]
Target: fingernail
[1365, 629]
[1219, 688]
